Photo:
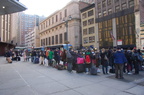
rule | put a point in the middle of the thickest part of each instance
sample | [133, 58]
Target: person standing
[135, 55]
[63, 57]
[104, 61]
[50, 56]
[57, 56]
[119, 60]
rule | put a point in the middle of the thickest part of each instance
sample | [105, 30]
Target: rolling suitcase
[18, 58]
[93, 70]
[36, 61]
[112, 70]
[80, 68]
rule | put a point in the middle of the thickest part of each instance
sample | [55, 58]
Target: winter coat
[51, 54]
[119, 58]
[104, 62]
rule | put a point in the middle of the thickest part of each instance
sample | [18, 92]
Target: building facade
[89, 33]
[139, 11]
[63, 25]
[26, 25]
[9, 24]
[32, 38]
[115, 20]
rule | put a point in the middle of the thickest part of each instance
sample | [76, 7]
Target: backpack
[68, 54]
[140, 58]
[135, 57]
[87, 59]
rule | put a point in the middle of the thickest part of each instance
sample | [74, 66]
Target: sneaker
[129, 73]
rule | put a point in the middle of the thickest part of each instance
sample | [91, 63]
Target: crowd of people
[120, 61]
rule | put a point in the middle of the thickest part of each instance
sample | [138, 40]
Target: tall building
[116, 23]
[139, 15]
[26, 24]
[63, 25]
[89, 34]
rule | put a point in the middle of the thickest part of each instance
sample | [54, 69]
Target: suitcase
[60, 67]
[9, 60]
[112, 70]
[80, 68]
[36, 60]
[93, 70]
[18, 58]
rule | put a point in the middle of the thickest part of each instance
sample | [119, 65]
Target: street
[26, 78]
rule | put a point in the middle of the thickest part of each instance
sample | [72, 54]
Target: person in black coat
[57, 56]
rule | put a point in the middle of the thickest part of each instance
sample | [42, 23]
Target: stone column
[114, 32]
[137, 28]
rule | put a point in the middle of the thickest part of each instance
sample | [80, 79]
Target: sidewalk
[26, 78]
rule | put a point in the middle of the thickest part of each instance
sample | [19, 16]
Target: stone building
[62, 26]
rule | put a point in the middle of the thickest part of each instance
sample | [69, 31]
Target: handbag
[105, 57]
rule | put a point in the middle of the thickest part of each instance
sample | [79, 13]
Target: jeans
[105, 69]
[34, 57]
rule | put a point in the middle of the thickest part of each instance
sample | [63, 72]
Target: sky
[43, 7]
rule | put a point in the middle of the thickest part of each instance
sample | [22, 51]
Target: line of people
[121, 61]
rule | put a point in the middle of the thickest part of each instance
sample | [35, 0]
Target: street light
[66, 24]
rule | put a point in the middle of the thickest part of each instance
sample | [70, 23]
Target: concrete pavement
[26, 78]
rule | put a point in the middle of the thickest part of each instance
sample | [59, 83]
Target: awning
[11, 6]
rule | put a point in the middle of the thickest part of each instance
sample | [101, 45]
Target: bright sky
[43, 7]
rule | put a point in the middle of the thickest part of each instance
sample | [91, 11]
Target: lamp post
[66, 24]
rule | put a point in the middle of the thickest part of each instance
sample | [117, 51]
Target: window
[99, 6]
[109, 2]
[56, 18]
[117, 8]
[131, 3]
[60, 15]
[56, 39]
[65, 36]
[52, 40]
[100, 15]
[52, 20]
[85, 32]
[92, 39]
[110, 11]
[41, 42]
[49, 22]
[84, 23]
[104, 3]
[65, 13]
[124, 6]
[91, 21]
[104, 13]
[91, 30]
[46, 41]
[84, 15]
[90, 13]
[49, 41]
[85, 40]
[60, 38]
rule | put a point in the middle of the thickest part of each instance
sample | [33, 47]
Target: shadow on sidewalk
[129, 78]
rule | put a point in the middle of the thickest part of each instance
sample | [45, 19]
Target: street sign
[119, 42]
